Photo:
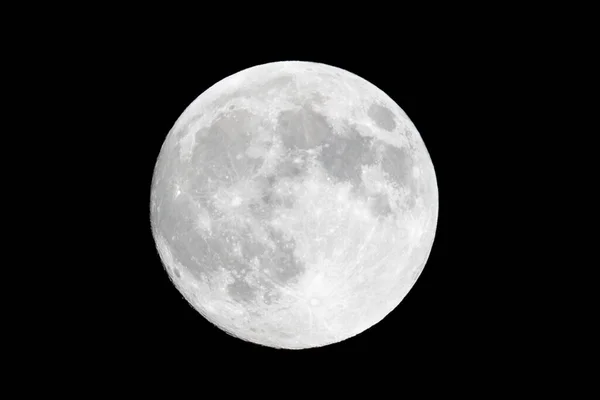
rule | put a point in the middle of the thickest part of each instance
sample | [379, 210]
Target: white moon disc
[294, 204]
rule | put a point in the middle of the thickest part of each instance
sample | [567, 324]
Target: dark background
[99, 90]
[445, 87]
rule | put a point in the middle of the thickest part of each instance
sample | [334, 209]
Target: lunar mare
[294, 204]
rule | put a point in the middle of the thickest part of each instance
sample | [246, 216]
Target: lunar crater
[382, 116]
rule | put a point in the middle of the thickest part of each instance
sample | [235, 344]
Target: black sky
[442, 87]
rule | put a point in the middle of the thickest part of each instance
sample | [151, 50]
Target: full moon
[294, 204]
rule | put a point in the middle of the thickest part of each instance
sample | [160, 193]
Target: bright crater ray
[294, 204]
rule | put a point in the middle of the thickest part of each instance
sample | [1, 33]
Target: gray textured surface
[294, 204]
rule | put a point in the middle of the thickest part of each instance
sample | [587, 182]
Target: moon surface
[294, 204]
